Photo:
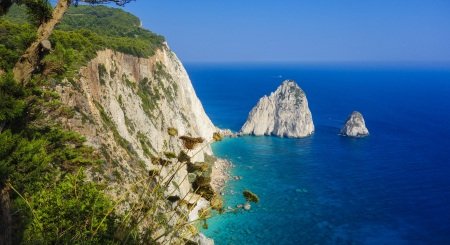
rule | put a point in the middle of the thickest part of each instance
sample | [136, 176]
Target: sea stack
[285, 113]
[355, 126]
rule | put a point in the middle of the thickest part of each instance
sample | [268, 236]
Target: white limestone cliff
[133, 111]
[283, 113]
[355, 126]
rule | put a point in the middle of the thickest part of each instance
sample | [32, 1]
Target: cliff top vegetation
[83, 31]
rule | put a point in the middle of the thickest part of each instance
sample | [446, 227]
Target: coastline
[220, 174]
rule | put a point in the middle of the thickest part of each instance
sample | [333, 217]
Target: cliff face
[284, 113]
[133, 111]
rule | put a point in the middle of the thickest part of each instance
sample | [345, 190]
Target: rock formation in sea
[355, 126]
[283, 113]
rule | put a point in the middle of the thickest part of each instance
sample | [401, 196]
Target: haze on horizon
[301, 31]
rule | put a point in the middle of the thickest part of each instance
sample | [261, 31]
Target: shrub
[172, 132]
[170, 155]
[74, 210]
[217, 136]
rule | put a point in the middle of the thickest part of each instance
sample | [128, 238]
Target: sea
[392, 187]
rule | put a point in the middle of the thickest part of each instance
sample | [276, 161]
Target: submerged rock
[355, 126]
[284, 113]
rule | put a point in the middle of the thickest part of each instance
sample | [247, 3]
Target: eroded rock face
[355, 126]
[133, 111]
[284, 113]
[125, 106]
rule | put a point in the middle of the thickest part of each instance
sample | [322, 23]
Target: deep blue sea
[392, 187]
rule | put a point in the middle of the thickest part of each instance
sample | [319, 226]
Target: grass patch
[172, 132]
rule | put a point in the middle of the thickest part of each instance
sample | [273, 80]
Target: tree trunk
[2, 125]
[31, 59]
[5, 217]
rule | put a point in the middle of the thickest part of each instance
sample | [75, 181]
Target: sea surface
[392, 187]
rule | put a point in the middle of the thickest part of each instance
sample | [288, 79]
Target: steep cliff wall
[133, 111]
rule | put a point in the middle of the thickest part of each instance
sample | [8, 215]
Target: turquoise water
[390, 188]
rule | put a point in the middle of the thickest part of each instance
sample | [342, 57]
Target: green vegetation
[110, 126]
[145, 144]
[73, 210]
[102, 73]
[172, 132]
[250, 196]
[170, 155]
[42, 165]
[83, 31]
[14, 39]
[217, 136]
[149, 97]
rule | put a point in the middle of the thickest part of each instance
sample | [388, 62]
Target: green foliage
[145, 144]
[110, 125]
[83, 31]
[39, 160]
[53, 202]
[35, 11]
[118, 29]
[73, 210]
[217, 202]
[170, 155]
[217, 136]
[149, 96]
[183, 157]
[105, 21]
[250, 196]
[172, 132]
[102, 73]
[39, 11]
[15, 37]
[12, 99]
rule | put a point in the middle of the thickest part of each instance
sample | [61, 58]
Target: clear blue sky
[299, 30]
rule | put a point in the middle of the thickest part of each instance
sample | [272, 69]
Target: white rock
[203, 240]
[202, 203]
[284, 113]
[247, 206]
[355, 126]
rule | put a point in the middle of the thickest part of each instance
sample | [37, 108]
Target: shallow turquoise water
[390, 188]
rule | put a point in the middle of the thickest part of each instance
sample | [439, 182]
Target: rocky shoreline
[220, 174]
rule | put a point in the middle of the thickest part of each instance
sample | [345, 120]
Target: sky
[300, 30]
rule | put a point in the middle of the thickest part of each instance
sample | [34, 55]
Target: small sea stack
[355, 126]
[284, 113]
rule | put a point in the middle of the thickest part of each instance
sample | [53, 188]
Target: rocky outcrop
[201, 239]
[283, 113]
[355, 126]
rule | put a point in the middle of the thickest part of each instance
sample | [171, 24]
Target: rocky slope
[133, 111]
[355, 126]
[283, 113]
